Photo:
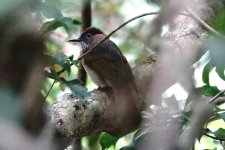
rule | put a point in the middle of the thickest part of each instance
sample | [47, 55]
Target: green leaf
[219, 22]
[77, 22]
[220, 72]
[51, 25]
[222, 115]
[77, 88]
[65, 22]
[208, 90]
[214, 118]
[199, 137]
[211, 149]
[186, 115]
[60, 58]
[107, 141]
[92, 140]
[68, 23]
[76, 62]
[205, 74]
[220, 133]
[71, 57]
[218, 114]
[64, 61]
[53, 75]
[218, 109]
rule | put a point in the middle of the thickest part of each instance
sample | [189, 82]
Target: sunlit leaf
[77, 22]
[222, 116]
[214, 118]
[218, 114]
[219, 21]
[65, 22]
[57, 67]
[220, 72]
[64, 61]
[107, 141]
[92, 140]
[208, 90]
[71, 57]
[53, 75]
[62, 87]
[218, 109]
[76, 62]
[77, 88]
[220, 133]
[63, 75]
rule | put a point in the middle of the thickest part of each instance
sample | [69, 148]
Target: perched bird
[108, 67]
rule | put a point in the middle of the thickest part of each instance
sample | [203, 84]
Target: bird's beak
[75, 41]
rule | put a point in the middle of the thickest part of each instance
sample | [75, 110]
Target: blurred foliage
[212, 131]
[106, 141]
[63, 17]
[8, 100]
[219, 23]
[64, 22]
[65, 63]
[128, 44]
[60, 67]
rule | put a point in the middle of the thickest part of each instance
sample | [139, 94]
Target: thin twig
[213, 137]
[190, 14]
[62, 70]
[49, 90]
[111, 33]
[219, 101]
[216, 96]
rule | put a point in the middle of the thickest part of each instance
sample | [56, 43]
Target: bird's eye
[88, 35]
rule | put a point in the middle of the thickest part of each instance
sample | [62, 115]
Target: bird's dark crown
[92, 30]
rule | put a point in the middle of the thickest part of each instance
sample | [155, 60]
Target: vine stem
[213, 137]
[216, 96]
[53, 83]
[188, 14]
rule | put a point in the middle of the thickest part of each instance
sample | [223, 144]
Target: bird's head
[87, 36]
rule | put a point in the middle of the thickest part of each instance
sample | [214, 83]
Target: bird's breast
[95, 77]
